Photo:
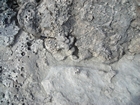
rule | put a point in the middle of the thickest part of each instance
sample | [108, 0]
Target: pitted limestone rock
[101, 28]
[8, 27]
[84, 29]
[28, 18]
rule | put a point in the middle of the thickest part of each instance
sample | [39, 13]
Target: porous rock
[69, 52]
[8, 27]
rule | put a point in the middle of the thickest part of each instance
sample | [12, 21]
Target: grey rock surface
[69, 52]
[8, 27]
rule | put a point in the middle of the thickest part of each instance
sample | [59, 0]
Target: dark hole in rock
[29, 48]
[38, 1]
[15, 86]
[14, 71]
[3, 95]
[15, 96]
[22, 75]
[0, 69]
[29, 44]
[123, 53]
[6, 20]
[23, 53]
[22, 68]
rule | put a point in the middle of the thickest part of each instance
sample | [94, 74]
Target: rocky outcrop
[69, 52]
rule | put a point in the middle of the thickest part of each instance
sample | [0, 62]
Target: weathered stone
[69, 52]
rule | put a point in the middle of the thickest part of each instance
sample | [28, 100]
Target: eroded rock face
[8, 27]
[28, 18]
[82, 29]
[69, 52]
[101, 29]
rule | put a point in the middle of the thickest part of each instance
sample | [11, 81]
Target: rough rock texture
[81, 29]
[8, 28]
[69, 52]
